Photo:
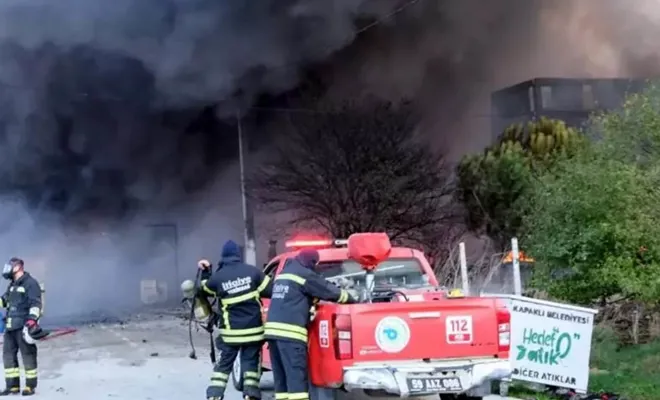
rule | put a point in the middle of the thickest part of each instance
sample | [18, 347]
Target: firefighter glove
[35, 331]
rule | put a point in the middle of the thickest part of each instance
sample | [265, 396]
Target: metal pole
[176, 252]
[517, 284]
[464, 270]
[248, 221]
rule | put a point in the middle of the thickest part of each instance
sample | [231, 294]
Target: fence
[489, 271]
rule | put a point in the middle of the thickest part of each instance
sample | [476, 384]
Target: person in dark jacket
[297, 288]
[239, 288]
[22, 300]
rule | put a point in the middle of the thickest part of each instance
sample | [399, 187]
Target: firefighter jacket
[296, 289]
[239, 288]
[22, 301]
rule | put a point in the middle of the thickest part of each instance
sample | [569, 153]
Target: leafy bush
[592, 220]
[491, 185]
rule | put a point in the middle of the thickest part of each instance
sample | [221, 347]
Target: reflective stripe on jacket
[239, 288]
[22, 301]
[295, 291]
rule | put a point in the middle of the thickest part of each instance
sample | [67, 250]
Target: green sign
[546, 347]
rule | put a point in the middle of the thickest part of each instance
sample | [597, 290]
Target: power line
[389, 16]
[360, 31]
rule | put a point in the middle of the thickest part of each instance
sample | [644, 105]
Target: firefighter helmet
[33, 334]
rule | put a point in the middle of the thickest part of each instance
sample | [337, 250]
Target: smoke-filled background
[117, 141]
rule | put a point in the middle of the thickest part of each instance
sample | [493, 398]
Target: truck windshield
[399, 272]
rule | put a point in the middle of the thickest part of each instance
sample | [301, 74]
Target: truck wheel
[236, 378]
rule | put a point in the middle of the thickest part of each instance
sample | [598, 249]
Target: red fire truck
[407, 336]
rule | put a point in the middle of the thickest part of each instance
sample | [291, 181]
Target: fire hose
[193, 353]
[55, 333]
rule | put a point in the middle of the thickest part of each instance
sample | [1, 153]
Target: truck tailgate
[451, 328]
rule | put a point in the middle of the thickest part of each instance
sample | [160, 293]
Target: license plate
[434, 385]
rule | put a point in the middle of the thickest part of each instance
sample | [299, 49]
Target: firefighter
[239, 288]
[22, 300]
[295, 292]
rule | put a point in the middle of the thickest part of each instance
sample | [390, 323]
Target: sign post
[550, 342]
[517, 282]
[465, 283]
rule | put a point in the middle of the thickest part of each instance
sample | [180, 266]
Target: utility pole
[515, 253]
[250, 256]
[465, 282]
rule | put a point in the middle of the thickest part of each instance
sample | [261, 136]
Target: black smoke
[123, 110]
[110, 107]
[107, 107]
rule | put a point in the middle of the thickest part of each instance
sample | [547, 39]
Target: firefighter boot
[10, 391]
[215, 393]
[28, 391]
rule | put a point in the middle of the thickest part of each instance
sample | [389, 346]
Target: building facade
[570, 100]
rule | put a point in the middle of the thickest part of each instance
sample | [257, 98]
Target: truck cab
[407, 336]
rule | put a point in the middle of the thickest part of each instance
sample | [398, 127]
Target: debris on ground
[568, 394]
[564, 393]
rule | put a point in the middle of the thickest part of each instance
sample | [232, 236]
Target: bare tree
[359, 168]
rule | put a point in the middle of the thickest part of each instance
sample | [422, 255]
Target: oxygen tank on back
[201, 306]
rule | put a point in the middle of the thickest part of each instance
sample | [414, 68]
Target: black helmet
[33, 334]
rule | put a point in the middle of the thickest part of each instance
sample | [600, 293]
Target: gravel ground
[142, 359]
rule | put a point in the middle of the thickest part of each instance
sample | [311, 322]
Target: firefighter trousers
[250, 357]
[13, 343]
[289, 362]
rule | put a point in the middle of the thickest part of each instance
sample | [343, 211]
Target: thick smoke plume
[102, 130]
[85, 83]
[450, 55]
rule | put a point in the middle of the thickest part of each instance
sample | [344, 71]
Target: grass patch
[522, 393]
[632, 372]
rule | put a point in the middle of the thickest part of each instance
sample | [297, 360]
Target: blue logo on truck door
[392, 334]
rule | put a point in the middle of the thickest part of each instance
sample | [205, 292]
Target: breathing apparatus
[200, 306]
[8, 271]
[201, 313]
